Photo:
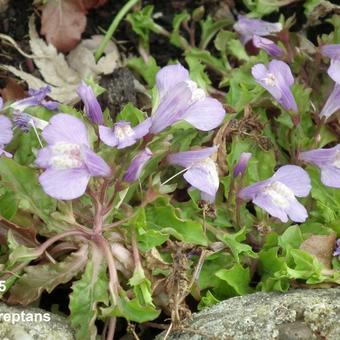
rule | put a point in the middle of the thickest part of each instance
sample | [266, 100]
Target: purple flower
[181, 99]
[331, 51]
[334, 70]
[25, 121]
[1, 103]
[333, 102]
[6, 134]
[201, 170]
[36, 97]
[92, 107]
[122, 134]
[277, 80]
[269, 46]
[68, 159]
[137, 165]
[247, 28]
[276, 195]
[328, 160]
[242, 164]
[337, 248]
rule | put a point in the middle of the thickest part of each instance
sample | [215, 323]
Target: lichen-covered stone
[57, 328]
[301, 314]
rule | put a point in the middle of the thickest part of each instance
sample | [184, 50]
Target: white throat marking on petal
[270, 80]
[66, 156]
[280, 194]
[123, 131]
[196, 92]
[210, 166]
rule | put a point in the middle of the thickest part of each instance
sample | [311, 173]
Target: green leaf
[141, 287]
[209, 28]
[176, 38]
[147, 70]
[197, 72]
[213, 264]
[291, 238]
[37, 278]
[22, 181]
[87, 294]
[208, 300]
[131, 114]
[237, 248]
[8, 205]
[131, 310]
[164, 217]
[237, 277]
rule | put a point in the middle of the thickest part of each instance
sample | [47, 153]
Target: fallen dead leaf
[12, 91]
[62, 23]
[321, 247]
[65, 74]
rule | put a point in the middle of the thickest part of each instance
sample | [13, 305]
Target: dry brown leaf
[65, 74]
[12, 91]
[63, 22]
[321, 247]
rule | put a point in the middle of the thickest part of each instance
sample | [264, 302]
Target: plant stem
[55, 238]
[112, 328]
[114, 282]
[118, 18]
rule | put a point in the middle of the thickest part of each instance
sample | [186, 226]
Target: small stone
[302, 314]
[19, 323]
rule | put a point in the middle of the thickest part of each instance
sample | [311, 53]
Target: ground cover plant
[220, 178]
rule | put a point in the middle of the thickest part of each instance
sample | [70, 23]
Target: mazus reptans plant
[328, 160]
[180, 98]
[200, 170]
[277, 79]
[68, 161]
[276, 195]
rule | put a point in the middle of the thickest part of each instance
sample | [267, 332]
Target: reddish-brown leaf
[63, 22]
[12, 91]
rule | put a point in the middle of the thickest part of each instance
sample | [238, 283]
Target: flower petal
[171, 107]
[169, 76]
[295, 178]
[247, 27]
[331, 51]
[334, 70]
[44, 157]
[242, 164]
[92, 107]
[137, 165]
[205, 114]
[95, 164]
[297, 212]
[65, 128]
[6, 133]
[204, 177]
[287, 99]
[267, 45]
[280, 68]
[64, 184]
[188, 158]
[142, 129]
[107, 136]
[333, 102]
[319, 157]
[265, 202]
[330, 176]
[251, 191]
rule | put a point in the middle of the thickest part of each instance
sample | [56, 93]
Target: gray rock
[18, 323]
[301, 314]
